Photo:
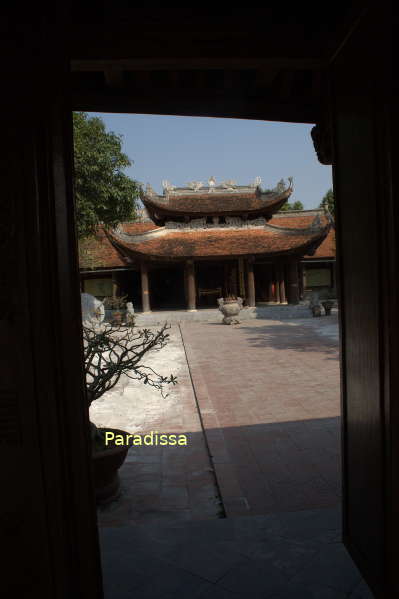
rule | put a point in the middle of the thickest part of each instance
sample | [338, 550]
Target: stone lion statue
[92, 309]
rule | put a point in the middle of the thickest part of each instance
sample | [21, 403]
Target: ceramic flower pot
[116, 317]
[106, 464]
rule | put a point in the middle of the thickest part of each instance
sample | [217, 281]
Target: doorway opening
[257, 402]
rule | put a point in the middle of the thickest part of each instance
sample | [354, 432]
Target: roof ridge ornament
[167, 185]
[316, 223]
[149, 190]
[257, 182]
[280, 187]
[195, 185]
[212, 184]
[229, 184]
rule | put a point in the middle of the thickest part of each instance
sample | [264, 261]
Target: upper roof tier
[224, 199]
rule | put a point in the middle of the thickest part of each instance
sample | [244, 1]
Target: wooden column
[145, 288]
[276, 285]
[281, 284]
[301, 281]
[334, 277]
[270, 295]
[190, 285]
[115, 286]
[293, 283]
[241, 281]
[251, 283]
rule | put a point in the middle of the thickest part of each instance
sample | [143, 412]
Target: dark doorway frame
[51, 511]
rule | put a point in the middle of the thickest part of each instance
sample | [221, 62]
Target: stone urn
[327, 305]
[230, 308]
[117, 317]
[314, 304]
[316, 310]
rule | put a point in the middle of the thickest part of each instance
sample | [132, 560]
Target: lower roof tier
[300, 233]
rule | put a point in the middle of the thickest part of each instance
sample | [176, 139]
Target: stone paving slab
[160, 483]
[277, 312]
[275, 556]
[268, 393]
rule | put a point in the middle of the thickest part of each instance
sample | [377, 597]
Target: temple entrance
[167, 287]
[214, 280]
[264, 282]
[129, 284]
[210, 283]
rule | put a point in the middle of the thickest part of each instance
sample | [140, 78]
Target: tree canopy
[104, 194]
[328, 202]
[294, 206]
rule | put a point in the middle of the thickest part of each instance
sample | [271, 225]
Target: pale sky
[182, 149]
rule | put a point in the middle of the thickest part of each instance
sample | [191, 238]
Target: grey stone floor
[276, 556]
[277, 312]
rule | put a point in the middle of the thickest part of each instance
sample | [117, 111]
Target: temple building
[197, 243]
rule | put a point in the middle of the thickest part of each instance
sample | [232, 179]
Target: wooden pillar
[301, 281]
[270, 295]
[293, 282]
[334, 277]
[241, 281]
[115, 287]
[145, 288]
[251, 283]
[281, 284]
[276, 285]
[190, 285]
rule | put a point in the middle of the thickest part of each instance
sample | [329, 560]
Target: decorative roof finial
[211, 183]
[291, 182]
[280, 187]
[195, 185]
[167, 186]
[149, 190]
[229, 184]
[257, 181]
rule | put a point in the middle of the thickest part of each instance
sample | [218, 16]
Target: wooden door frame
[49, 409]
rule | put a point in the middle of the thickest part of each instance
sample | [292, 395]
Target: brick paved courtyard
[259, 403]
[268, 394]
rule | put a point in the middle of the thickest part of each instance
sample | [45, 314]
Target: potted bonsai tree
[117, 307]
[110, 352]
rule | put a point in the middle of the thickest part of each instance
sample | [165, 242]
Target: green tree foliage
[294, 206]
[103, 192]
[328, 202]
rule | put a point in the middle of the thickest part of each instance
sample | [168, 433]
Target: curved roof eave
[307, 247]
[269, 204]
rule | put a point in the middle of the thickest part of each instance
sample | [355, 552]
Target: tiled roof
[284, 234]
[327, 247]
[208, 204]
[98, 252]
[222, 243]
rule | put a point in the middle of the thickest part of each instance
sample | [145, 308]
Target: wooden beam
[113, 77]
[193, 64]
[203, 104]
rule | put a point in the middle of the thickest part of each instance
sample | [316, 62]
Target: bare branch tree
[110, 352]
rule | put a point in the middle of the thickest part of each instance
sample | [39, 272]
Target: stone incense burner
[230, 308]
